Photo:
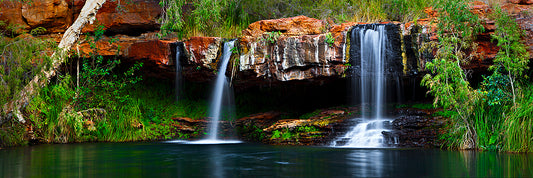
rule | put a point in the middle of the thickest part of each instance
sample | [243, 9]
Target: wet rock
[415, 128]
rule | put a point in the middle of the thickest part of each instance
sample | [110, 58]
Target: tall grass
[518, 130]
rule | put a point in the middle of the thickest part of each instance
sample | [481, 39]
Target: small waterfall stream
[221, 85]
[221, 88]
[368, 84]
[178, 82]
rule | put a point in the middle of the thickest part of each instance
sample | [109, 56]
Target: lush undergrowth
[21, 58]
[497, 114]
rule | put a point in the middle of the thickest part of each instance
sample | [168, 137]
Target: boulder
[128, 17]
[54, 15]
[11, 13]
[125, 17]
[294, 26]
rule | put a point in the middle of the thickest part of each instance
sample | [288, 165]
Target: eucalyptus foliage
[457, 27]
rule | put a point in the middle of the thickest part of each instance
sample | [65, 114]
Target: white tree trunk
[87, 15]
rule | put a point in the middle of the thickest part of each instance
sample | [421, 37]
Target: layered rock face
[301, 51]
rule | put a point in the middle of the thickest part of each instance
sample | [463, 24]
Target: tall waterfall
[370, 42]
[221, 87]
[178, 81]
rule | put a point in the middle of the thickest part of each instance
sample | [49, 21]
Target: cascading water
[368, 84]
[178, 81]
[215, 109]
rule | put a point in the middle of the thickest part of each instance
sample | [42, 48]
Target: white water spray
[368, 132]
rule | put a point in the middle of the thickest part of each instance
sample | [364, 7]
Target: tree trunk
[87, 15]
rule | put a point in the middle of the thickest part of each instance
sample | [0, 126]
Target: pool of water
[248, 160]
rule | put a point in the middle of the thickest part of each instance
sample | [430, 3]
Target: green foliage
[445, 113]
[21, 58]
[99, 87]
[286, 135]
[423, 106]
[223, 18]
[329, 39]
[10, 30]
[485, 118]
[45, 110]
[276, 134]
[457, 28]
[38, 31]
[518, 126]
[171, 18]
[307, 129]
[512, 58]
[272, 37]
[496, 89]
[12, 134]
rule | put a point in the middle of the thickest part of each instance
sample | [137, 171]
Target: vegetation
[21, 58]
[227, 18]
[104, 102]
[482, 118]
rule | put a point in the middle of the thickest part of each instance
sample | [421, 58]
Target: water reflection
[216, 160]
[245, 160]
[366, 163]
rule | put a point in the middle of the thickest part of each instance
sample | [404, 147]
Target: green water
[249, 160]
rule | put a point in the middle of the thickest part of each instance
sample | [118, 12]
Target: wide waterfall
[368, 86]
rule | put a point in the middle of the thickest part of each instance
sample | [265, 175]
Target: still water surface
[250, 160]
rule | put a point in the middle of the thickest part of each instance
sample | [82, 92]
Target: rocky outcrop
[294, 48]
[132, 18]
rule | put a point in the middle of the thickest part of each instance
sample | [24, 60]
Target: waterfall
[369, 47]
[178, 81]
[221, 87]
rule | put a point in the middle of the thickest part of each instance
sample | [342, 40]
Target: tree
[512, 58]
[457, 28]
[87, 15]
